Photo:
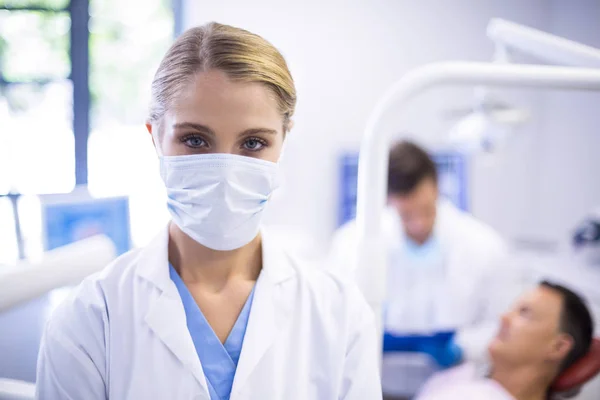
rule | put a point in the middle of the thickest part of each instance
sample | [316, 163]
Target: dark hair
[409, 165]
[576, 321]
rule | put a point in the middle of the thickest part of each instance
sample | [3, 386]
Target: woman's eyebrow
[256, 131]
[198, 127]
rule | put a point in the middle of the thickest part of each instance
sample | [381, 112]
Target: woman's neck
[196, 263]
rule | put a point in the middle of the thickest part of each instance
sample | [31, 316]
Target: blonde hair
[241, 55]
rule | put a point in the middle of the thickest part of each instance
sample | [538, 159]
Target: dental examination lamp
[370, 272]
[64, 266]
[554, 49]
[489, 123]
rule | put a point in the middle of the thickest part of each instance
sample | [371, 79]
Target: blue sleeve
[441, 346]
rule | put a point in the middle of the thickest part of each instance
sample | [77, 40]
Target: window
[47, 60]
[36, 109]
[34, 45]
[36, 99]
[122, 160]
[37, 154]
[32, 4]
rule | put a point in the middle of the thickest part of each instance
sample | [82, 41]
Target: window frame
[79, 54]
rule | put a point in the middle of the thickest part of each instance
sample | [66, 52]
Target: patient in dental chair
[546, 332]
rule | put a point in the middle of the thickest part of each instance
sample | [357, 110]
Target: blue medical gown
[219, 361]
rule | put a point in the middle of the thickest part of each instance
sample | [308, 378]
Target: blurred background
[76, 160]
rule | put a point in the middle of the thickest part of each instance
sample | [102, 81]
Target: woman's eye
[253, 144]
[195, 141]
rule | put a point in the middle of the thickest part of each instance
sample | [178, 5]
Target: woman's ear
[288, 124]
[149, 128]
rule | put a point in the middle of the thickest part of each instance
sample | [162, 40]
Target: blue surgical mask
[218, 199]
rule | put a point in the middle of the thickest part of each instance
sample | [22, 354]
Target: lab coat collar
[270, 311]
[153, 264]
[166, 315]
[166, 318]
[277, 264]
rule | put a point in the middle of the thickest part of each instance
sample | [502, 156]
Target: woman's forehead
[214, 88]
[214, 99]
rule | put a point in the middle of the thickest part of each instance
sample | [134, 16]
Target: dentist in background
[447, 284]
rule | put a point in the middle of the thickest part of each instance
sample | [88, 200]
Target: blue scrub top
[219, 361]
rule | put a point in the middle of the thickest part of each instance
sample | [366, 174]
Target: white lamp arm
[542, 45]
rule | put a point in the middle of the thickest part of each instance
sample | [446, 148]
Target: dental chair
[569, 384]
[62, 267]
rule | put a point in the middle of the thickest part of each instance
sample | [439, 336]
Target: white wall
[344, 55]
[568, 177]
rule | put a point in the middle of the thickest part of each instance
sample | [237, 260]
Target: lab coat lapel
[166, 319]
[270, 311]
[166, 315]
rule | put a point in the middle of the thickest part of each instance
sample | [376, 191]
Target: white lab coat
[123, 335]
[473, 287]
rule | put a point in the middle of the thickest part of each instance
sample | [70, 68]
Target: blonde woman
[214, 308]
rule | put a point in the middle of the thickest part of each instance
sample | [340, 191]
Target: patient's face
[529, 332]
